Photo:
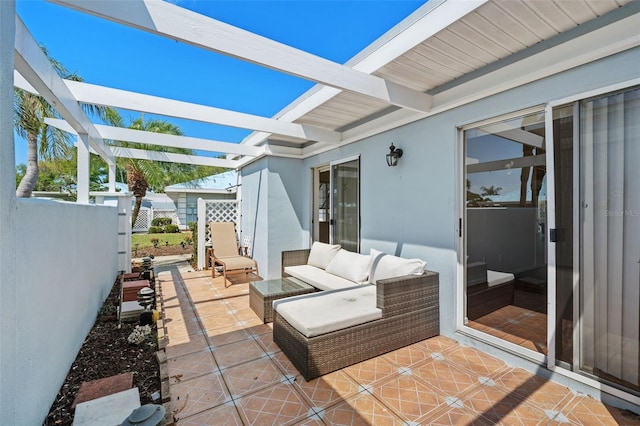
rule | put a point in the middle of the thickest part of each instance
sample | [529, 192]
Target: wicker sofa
[487, 290]
[409, 313]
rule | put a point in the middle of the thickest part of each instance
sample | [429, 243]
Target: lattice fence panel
[220, 211]
[172, 214]
[142, 222]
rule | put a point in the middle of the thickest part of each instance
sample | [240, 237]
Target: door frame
[315, 191]
[461, 301]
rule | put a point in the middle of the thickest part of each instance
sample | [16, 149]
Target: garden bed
[104, 353]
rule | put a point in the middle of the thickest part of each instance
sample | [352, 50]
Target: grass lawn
[144, 240]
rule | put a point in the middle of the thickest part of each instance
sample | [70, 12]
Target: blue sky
[113, 55]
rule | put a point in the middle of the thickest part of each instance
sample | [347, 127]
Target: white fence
[214, 211]
[146, 216]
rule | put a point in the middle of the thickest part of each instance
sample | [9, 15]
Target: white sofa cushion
[319, 313]
[318, 278]
[321, 254]
[350, 266]
[384, 266]
[497, 278]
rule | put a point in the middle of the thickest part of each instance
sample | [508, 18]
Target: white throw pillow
[350, 266]
[321, 254]
[383, 266]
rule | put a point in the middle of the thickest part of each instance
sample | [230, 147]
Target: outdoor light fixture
[393, 155]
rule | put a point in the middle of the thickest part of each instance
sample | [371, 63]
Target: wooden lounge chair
[226, 254]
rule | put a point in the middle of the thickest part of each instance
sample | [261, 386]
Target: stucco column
[7, 216]
[112, 177]
[82, 186]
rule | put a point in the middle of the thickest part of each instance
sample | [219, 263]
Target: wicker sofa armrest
[294, 258]
[476, 273]
[397, 296]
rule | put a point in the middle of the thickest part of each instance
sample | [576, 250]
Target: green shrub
[161, 221]
[193, 227]
[171, 229]
[156, 230]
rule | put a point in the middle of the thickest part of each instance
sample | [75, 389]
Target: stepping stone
[103, 387]
[130, 289]
[109, 410]
[130, 311]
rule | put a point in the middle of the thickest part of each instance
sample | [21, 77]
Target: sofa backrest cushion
[351, 266]
[321, 254]
[383, 266]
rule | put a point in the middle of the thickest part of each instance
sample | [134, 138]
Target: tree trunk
[136, 210]
[30, 178]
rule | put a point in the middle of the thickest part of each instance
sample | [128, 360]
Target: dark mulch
[105, 353]
[162, 250]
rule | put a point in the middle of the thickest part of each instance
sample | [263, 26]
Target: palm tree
[146, 174]
[45, 141]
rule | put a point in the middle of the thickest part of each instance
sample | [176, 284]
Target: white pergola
[406, 75]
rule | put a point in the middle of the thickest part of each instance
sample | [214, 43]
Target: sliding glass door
[552, 235]
[345, 204]
[609, 232]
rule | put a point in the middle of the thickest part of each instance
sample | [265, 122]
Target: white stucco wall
[273, 195]
[65, 267]
[410, 210]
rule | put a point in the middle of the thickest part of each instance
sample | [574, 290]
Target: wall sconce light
[393, 155]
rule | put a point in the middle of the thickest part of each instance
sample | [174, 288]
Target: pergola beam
[34, 66]
[170, 157]
[174, 22]
[163, 139]
[116, 98]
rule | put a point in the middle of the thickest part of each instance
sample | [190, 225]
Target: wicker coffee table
[263, 293]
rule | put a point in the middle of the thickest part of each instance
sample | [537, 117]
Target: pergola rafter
[174, 22]
[33, 65]
[163, 139]
[116, 98]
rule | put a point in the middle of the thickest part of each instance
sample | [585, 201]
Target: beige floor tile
[181, 326]
[260, 329]
[225, 335]
[360, 410]
[499, 405]
[409, 397]
[413, 354]
[474, 361]
[457, 417]
[328, 389]
[447, 378]
[197, 395]
[189, 366]
[180, 313]
[276, 405]
[238, 353]
[266, 342]
[284, 364]
[585, 410]
[537, 391]
[252, 376]
[372, 370]
[222, 415]
[194, 343]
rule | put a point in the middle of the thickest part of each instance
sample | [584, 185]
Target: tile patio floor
[225, 370]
